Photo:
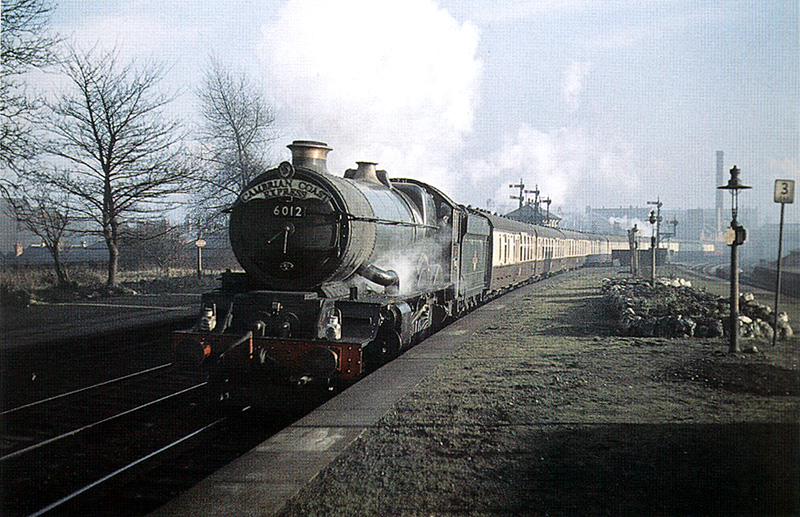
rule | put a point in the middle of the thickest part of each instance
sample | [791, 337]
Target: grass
[22, 285]
[32, 278]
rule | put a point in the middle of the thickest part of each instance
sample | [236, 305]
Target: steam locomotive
[342, 274]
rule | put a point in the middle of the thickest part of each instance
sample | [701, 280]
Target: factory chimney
[718, 206]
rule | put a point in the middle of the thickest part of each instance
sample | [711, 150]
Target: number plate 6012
[288, 211]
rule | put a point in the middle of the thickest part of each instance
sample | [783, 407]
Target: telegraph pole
[535, 193]
[634, 251]
[200, 244]
[547, 201]
[657, 230]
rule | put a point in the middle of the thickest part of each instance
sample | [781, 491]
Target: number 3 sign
[784, 191]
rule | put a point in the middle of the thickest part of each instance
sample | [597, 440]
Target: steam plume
[392, 82]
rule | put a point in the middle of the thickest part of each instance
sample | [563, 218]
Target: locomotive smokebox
[310, 155]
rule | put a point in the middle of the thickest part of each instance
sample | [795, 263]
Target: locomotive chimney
[310, 155]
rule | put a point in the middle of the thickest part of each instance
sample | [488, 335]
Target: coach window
[514, 241]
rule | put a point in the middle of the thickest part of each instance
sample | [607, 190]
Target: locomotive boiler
[302, 227]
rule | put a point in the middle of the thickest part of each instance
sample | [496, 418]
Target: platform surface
[47, 322]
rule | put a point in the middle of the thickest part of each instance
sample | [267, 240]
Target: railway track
[96, 446]
[722, 271]
[58, 444]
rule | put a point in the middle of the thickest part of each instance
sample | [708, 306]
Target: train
[344, 273]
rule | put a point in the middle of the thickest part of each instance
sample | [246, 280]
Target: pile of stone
[672, 308]
[756, 319]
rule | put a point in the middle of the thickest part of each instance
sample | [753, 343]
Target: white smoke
[392, 82]
[643, 228]
[574, 167]
[397, 83]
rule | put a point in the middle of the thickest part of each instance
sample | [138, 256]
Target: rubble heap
[672, 308]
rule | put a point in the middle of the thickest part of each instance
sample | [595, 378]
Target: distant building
[532, 213]
[38, 255]
[14, 238]
[762, 242]
[694, 224]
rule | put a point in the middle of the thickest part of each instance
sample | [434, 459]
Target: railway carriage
[342, 273]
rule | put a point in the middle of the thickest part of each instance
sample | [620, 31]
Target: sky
[601, 104]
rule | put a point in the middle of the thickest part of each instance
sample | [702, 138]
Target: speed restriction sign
[784, 191]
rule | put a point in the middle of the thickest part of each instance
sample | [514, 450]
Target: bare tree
[25, 44]
[122, 156]
[235, 135]
[155, 243]
[46, 214]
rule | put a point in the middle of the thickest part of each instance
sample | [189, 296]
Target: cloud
[393, 82]
[574, 77]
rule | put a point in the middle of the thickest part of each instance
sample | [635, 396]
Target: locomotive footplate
[274, 358]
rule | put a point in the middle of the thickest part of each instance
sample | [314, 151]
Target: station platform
[530, 405]
[43, 323]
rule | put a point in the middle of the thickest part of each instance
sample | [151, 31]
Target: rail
[126, 468]
[86, 388]
[73, 432]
